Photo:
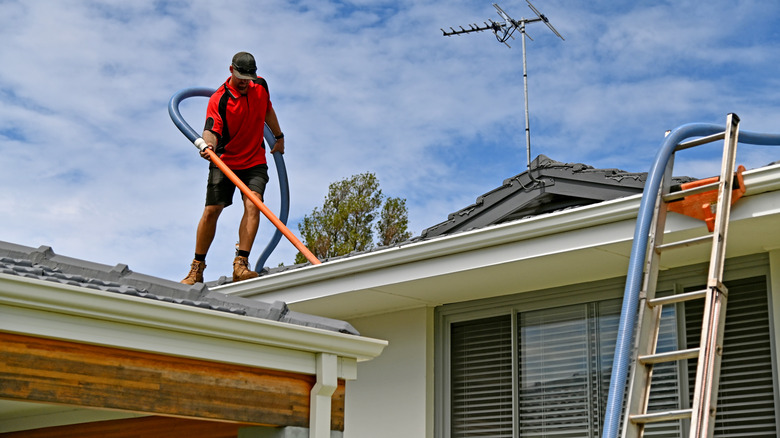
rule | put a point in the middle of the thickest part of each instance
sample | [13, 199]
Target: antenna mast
[503, 31]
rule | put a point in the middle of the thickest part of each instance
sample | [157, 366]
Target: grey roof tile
[546, 187]
[552, 186]
[43, 264]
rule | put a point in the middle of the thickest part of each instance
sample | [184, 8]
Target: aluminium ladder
[702, 411]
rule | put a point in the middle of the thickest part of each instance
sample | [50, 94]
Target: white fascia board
[535, 227]
[610, 212]
[52, 310]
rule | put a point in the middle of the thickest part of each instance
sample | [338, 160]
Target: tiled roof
[548, 186]
[43, 264]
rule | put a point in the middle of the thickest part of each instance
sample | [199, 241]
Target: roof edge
[146, 317]
[758, 181]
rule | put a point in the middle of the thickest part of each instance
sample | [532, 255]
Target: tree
[393, 221]
[353, 209]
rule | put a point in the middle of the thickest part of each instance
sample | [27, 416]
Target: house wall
[774, 303]
[393, 395]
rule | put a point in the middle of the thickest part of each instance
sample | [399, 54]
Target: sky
[94, 168]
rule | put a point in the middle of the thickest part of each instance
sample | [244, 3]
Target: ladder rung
[656, 417]
[684, 243]
[669, 356]
[701, 141]
[678, 298]
[673, 196]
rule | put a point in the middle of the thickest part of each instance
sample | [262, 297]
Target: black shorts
[220, 189]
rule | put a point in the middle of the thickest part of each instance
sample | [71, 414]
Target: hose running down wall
[281, 169]
[628, 313]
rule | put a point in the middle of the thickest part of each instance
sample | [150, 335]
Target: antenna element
[503, 31]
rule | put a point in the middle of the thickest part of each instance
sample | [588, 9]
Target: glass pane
[565, 366]
[554, 388]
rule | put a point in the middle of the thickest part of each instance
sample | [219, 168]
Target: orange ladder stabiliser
[265, 210]
[702, 205]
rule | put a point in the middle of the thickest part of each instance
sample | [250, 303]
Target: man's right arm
[211, 140]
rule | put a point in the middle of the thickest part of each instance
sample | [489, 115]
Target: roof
[592, 242]
[43, 264]
[547, 186]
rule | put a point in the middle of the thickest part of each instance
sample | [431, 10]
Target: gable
[546, 187]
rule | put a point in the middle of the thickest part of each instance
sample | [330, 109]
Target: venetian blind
[565, 365]
[564, 360]
[746, 404]
[481, 386]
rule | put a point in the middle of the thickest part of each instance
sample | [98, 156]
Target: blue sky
[94, 167]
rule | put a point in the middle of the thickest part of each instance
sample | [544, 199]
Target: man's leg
[207, 229]
[247, 232]
[250, 222]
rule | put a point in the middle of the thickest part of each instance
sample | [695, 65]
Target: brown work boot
[196, 273]
[241, 269]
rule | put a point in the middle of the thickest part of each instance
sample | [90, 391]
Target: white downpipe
[321, 393]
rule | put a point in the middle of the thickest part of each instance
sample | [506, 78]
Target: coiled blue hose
[281, 169]
[636, 263]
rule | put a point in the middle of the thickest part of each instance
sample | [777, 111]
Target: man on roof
[235, 119]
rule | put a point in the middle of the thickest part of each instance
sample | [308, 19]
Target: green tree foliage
[353, 209]
[393, 221]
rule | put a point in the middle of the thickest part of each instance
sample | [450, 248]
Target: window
[482, 378]
[545, 372]
[562, 359]
[746, 402]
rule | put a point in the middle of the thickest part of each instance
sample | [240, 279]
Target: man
[234, 130]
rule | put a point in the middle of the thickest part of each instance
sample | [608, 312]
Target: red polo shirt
[238, 120]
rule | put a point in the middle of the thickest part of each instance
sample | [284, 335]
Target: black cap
[244, 66]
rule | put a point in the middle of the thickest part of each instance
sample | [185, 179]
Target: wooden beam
[53, 371]
[148, 427]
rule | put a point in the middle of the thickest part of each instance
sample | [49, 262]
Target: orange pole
[267, 212]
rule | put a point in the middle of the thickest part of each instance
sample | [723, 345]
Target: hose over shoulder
[281, 169]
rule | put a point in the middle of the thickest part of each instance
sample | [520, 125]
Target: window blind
[563, 365]
[481, 370]
[746, 405]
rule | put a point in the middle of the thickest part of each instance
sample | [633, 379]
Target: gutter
[41, 308]
[757, 181]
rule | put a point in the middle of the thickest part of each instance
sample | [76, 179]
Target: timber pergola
[167, 365]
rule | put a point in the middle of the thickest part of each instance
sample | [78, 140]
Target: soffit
[569, 247]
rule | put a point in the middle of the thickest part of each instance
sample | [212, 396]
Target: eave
[51, 310]
[566, 247]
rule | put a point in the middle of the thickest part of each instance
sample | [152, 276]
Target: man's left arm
[273, 123]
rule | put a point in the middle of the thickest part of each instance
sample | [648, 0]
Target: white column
[320, 406]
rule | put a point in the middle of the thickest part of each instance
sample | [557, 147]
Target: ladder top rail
[700, 141]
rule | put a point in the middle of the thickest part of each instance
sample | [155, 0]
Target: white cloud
[94, 167]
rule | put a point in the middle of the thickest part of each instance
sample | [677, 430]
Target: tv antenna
[503, 31]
